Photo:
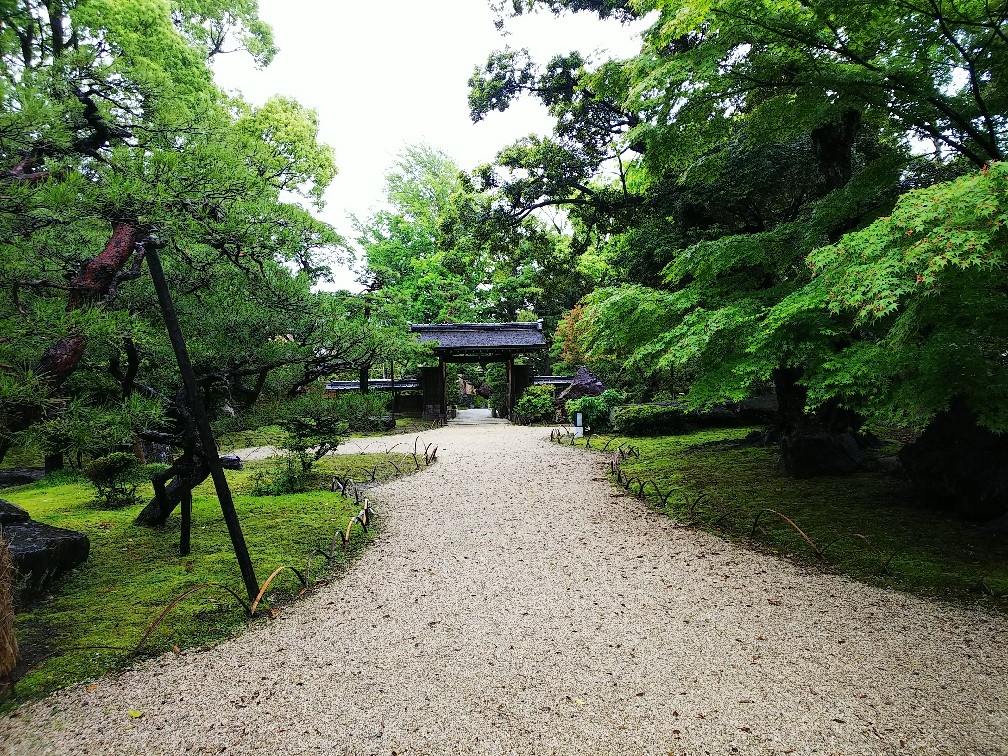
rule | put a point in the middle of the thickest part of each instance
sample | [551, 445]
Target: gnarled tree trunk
[170, 486]
[94, 282]
[815, 444]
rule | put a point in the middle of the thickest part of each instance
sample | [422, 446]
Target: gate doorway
[482, 343]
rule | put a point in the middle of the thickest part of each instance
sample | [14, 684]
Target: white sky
[383, 75]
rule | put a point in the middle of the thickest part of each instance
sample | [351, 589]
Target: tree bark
[170, 486]
[53, 461]
[816, 444]
[93, 282]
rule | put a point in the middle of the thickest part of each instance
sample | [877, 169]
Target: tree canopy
[744, 138]
[113, 136]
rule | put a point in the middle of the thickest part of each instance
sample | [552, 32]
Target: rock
[809, 455]
[228, 462]
[41, 552]
[11, 513]
[960, 466]
[20, 476]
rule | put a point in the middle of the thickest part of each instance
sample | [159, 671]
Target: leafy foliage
[117, 476]
[744, 140]
[536, 403]
[497, 381]
[114, 138]
[314, 425]
[921, 298]
[595, 410]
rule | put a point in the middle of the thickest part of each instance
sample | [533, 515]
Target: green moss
[270, 435]
[134, 572]
[871, 526]
[20, 456]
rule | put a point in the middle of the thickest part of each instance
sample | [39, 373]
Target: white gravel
[516, 604]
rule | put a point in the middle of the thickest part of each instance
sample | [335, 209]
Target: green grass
[270, 435]
[872, 526]
[273, 435]
[134, 572]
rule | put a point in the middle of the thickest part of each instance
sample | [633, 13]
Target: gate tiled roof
[482, 337]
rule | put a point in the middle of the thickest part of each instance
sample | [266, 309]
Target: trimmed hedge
[650, 420]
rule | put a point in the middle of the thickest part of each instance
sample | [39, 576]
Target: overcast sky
[383, 75]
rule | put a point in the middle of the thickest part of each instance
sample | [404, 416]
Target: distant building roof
[552, 380]
[376, 384]
[584, 384]
[481, 338]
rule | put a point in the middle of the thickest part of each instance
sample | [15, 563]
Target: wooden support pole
[199, 414]
[185, 538]
[510, 377]
[444, 391]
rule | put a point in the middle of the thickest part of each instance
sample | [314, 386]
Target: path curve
[516, 604]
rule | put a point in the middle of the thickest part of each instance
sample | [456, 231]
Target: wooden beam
[199, 415]
[444, 390]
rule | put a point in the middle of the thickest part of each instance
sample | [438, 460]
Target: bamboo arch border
[364, 517]
[637, 487]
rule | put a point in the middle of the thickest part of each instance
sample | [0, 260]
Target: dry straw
[8, 643]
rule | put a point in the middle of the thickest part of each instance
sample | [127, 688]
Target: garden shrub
[649, 420]
[362, 413]
[496, 378]
[286, 473]
[536, 403]
[595, 409]
[117, 477]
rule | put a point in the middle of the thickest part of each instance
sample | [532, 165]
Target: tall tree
[112, 130]
[762, 132]
[406, 259]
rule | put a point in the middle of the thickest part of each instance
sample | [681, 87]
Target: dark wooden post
[202, 421]
[444, 391]
[510, 377]
[185, 537]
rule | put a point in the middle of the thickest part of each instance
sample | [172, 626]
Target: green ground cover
[134, 572]
[872, 526]
[270, 435]
[273, 435]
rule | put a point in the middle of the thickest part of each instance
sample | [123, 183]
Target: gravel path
[516, 604]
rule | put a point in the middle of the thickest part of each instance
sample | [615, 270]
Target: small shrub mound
[535, 404]
[117, 477]
[595, 409]
[650, 420]
[283, 474]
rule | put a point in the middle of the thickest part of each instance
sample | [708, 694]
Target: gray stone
[40, 552]
[11, 513]
[20, 476]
